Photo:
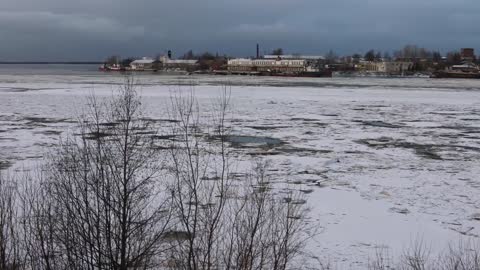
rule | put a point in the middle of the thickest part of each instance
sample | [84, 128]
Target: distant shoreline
[49, 63]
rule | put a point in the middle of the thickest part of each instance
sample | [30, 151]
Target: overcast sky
[93, 29]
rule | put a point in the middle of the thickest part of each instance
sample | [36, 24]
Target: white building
[280, 65]
[163, 63]
[240, 64]
[267, 65]
[177, 64]
[294, 56]
[385, 67]
[142, 64]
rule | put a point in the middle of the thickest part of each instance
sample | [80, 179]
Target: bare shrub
[224, 222]
[199, 186]
[417, 256]
[463, 256]
[10, 251]
[105, 205]
[38, 224]
[266, 229]
[114, 194]
[382, 260]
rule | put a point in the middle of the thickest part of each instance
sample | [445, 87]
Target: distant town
[411, 60]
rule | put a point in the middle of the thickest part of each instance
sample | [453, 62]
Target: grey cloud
[94, 29]
[71, 24]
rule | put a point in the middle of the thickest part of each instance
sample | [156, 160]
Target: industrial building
[387, 67]
[267, 65]
[277, 64]
[142, 64]
[240, 65]
[166, 63]
[163, 63]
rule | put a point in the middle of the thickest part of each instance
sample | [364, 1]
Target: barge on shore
[466, 70]
[455, 75]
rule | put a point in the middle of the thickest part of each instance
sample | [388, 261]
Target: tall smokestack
[258, 51]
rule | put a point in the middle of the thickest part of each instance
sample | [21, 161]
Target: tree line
[408, 52]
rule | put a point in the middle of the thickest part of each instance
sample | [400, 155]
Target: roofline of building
[293, 56]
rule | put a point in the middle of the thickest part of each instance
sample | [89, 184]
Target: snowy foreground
[384, 162]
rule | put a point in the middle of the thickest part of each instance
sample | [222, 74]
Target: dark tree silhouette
[370, 56]
[278, 51]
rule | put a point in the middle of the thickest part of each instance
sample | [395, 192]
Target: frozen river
[388, 161]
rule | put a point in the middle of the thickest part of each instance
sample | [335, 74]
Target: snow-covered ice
[388, 160]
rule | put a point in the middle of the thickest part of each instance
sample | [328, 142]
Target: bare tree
[331, 57]
[454, 58]
[113, 60]
[463, 256]
[10, 257]
[265, 229]
[370, 55]
[417, 256]
[387, 56]
[381, 261]
[113, 195]
[278, 51]
[413, 53]
[224, 222]
[108, 209]
[38, 225]
[200, 173]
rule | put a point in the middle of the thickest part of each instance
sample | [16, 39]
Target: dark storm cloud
[93, 29]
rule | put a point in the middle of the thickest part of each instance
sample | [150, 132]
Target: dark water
[47, 69]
